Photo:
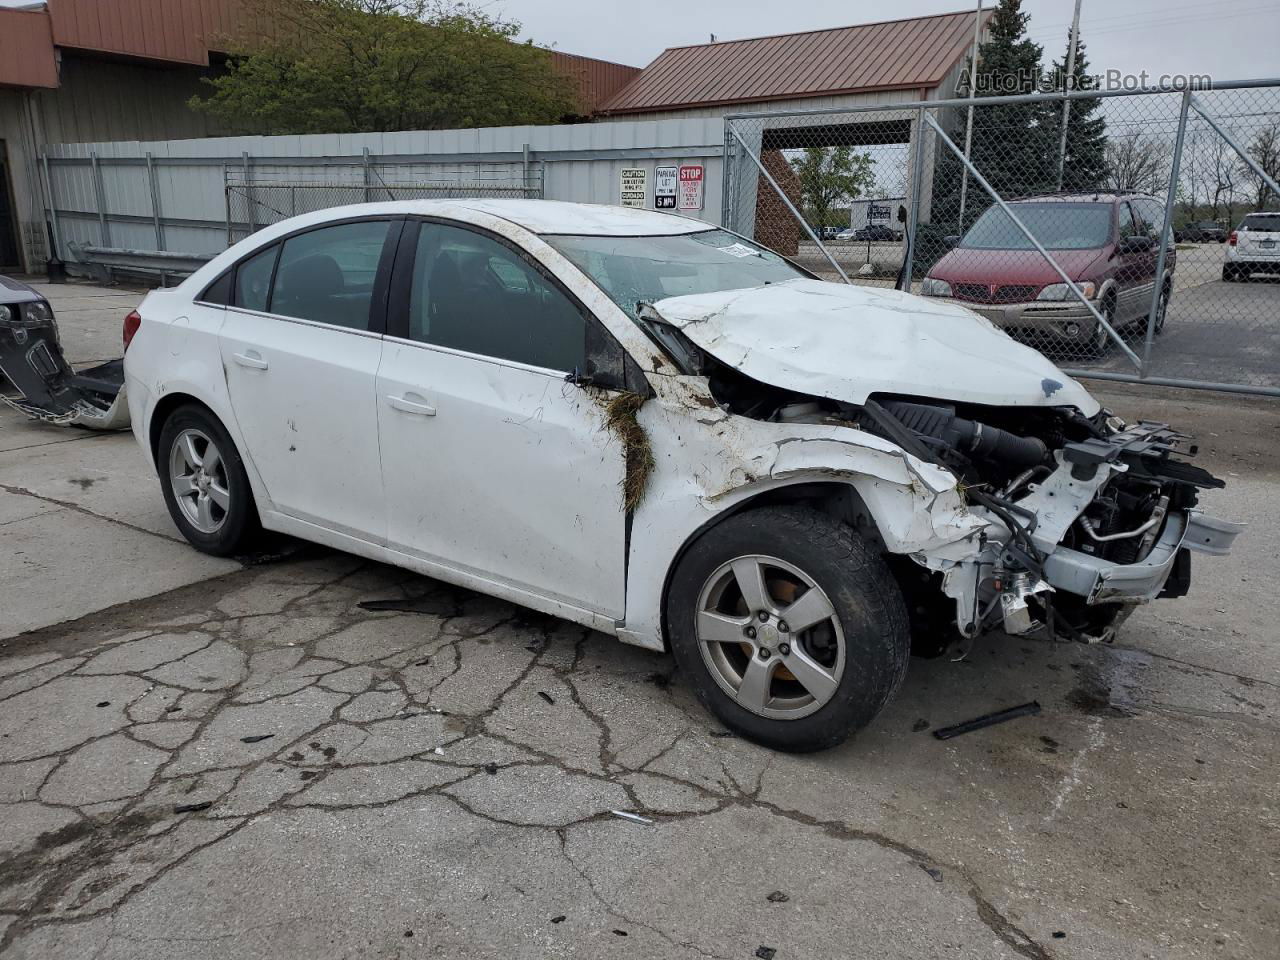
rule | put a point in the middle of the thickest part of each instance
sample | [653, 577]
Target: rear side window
[253, 279]
[218, 292]
[1268, 222]
[327, 275]
[1153, 215]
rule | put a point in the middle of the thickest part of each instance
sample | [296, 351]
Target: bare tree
[1135, 161]
[1265, 151]
[1224, 173]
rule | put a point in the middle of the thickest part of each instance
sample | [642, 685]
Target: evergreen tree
[1013, 144]
[1085, 167]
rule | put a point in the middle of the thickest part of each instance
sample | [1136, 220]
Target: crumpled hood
[847, 342]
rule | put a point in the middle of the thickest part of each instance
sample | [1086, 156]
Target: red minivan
[1107, 243]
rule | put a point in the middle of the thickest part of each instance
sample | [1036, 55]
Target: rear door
[494, 464]
[300, 347]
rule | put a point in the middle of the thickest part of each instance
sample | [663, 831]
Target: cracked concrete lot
[242, 761]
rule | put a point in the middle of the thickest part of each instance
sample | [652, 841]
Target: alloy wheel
[198, 477]
[770, 637]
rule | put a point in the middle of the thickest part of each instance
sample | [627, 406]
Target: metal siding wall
[191, 174]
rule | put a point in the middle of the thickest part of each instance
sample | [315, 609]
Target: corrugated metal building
[97, 70]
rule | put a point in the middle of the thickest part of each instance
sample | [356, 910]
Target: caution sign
[664, 188]
[691, 176]
[633, 191]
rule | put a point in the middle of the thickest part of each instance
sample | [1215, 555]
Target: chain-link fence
[266, 197]
[1140, 239]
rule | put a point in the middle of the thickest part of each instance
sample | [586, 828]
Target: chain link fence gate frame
[1098, 255]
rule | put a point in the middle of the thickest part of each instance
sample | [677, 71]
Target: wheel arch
[164, 409]
[836, 498]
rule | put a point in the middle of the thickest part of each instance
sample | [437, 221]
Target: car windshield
[1270, 222]
[1058, 226]
[634, 270]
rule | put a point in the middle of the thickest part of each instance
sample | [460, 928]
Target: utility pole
[968, 127]
[1067, 83]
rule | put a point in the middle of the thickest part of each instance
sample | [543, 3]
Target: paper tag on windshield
[739, 250]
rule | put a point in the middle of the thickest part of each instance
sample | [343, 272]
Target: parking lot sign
[664, 188]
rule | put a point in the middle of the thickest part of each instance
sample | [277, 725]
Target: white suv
[1253, 247]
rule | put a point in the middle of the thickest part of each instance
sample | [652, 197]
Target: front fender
[709, 462]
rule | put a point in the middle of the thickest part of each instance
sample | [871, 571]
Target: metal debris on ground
[631, 816]
[988, 720]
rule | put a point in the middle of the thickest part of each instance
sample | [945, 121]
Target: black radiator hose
[971, 438]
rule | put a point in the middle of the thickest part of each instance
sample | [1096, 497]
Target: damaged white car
[664, 432]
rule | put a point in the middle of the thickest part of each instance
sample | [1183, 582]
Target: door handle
[250, 360]
[405, 405]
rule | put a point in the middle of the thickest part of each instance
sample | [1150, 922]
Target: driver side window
[472, 293]
[1127, 225]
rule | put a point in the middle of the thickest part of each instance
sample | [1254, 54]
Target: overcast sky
[1227, 39]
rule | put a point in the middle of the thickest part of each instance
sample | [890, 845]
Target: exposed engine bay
[1090, 516]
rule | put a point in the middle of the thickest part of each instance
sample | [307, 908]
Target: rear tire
[1230, 274]
[801, 688]
[204, 483]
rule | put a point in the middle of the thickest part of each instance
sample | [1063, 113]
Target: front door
[493, 464]
[300, 347]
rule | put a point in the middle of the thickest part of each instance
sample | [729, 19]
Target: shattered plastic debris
[765, 953]
[559, 919]
[631, 816]
[491, 769]
[192, 807]
[777, 897]
[438, 751]
[933, 872]
[545, 696]
[257, 738]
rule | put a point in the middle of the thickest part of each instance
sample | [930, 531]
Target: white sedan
[658, 429]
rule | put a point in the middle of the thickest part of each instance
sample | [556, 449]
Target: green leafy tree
[352, 66]
[1085, 166]
[830, 177]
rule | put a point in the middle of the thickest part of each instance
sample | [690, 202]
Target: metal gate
[1129, 236]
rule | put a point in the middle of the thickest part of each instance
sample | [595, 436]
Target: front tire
[791, 628]
[204, 483]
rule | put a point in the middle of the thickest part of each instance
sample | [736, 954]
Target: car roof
[546, 217]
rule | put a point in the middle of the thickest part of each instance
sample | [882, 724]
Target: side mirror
[950, 240]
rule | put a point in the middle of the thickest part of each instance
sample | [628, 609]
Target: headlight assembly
[1060, 291]
[932, 287]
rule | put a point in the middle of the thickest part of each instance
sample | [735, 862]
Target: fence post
[726, 169]
[250, 212]
[909, 258]
[367, 195]
[56, 239]
[1157, 289]
[104, 229]
[791, 206]
[226, 192]
[155, 201]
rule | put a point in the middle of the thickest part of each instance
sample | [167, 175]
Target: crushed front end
[1089, 517]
